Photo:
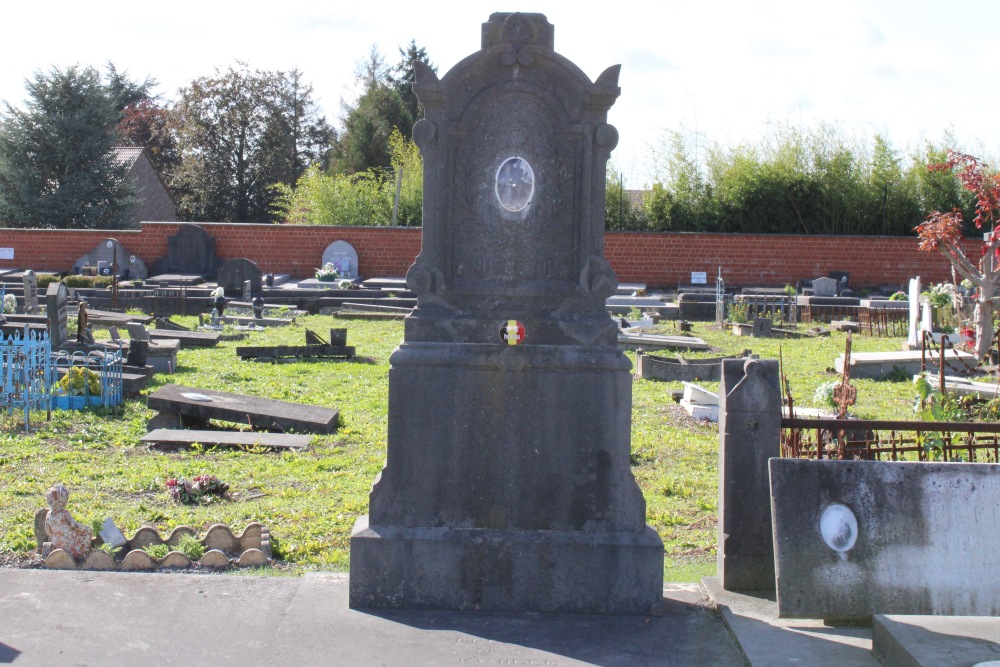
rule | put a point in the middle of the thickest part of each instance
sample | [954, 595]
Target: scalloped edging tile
[215, 559]
[253, 546]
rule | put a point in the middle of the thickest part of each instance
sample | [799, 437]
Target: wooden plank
[296, 351]
[261, 413]
[187, 338]
[168, 437]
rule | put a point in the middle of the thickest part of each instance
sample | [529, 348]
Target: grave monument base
[473, 569]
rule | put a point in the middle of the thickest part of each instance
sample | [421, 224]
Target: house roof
[127, 155]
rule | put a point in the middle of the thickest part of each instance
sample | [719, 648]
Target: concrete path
[102, 618]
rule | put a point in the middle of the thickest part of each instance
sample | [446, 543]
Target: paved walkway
[102, 618]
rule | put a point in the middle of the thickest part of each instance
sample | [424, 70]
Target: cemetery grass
[310, 499]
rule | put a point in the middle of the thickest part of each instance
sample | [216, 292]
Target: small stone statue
[63, 531]
[258, 308]
[81, 323]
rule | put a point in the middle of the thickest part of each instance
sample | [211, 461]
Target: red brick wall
[657, 259]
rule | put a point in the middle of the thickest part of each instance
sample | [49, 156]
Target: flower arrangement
[9, 303]
[80, 381]
[217, 292]
[940, 295]
[898, 296]
[824, 393]
[203, 488]
[328, 273]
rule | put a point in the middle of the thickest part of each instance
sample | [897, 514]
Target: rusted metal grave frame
[980, 437]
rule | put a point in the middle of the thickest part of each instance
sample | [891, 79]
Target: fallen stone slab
[261, 322]
[186, 338]
[658, 341]
[165, 437]
[199, 405]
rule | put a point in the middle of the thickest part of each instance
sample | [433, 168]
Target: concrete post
[749, 435]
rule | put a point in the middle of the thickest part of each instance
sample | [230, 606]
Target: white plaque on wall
[6, 253]
[699, 278]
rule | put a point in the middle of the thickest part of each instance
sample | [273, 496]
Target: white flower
[9, 303]
[217, 292]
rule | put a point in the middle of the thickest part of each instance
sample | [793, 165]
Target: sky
[730, 70]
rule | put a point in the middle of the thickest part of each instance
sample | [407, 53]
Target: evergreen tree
[57, 164]
[370, 120]
[402, 78]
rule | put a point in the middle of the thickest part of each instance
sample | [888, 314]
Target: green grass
[311, 499]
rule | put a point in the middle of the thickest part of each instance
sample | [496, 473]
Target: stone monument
[343, 256]
[507, 483]
[56, 296]
[30, 282]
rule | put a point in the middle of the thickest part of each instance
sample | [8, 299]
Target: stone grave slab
[260, 322]
[857, 538]
[186, 338]
[385, 283]
[175, 280]
[234, 272]
[632, 341]
[935, 641]
[106, 253]
[342, 255]
[880, 364]
[191, 251]
[175, 438]
[262, 413]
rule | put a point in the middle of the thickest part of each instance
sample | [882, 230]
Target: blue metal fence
[25, 374]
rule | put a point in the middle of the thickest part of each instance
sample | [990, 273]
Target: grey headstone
[824, 287]
[30, 281]
[191, 251]
[344, 257]
[137, 331]
[111, 534]
[106, 253]
[234, 273]
[761, 327]
[749, 434]
[857, 538]
[507, 484]
[56, 298]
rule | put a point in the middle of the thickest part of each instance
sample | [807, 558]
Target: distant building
[153, 200]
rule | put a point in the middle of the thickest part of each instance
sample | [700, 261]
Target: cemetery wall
[657, 259]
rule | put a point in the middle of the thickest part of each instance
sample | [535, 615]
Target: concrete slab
[630, 341]
[936, 641]
[880, 364]
[767, 641]
[60, 617]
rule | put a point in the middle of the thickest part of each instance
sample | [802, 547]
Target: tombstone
[342, 255]
[824, 287]
[30, 281]
[191, 251]
[914, 312]
[103, 257]
[761, 327]
[56, 297]
[235, 272]
[749, 435]
[507, 483]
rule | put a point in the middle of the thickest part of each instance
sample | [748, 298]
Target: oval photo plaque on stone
[515, 184]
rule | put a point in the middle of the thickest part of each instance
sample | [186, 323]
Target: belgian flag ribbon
[512, 332]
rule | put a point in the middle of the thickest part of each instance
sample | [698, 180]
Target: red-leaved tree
[943, 232]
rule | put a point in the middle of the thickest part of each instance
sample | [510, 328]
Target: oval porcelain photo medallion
[515, 184]
[512, 332]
